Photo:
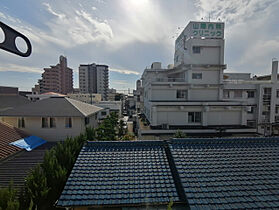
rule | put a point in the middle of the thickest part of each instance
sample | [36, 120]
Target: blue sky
[129, 35]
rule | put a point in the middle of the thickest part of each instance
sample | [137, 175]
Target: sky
[128, 35]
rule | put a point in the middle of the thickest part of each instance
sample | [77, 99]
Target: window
[182, 94]
[68, 122]
[226, 94]
[267, 91]
[277, 109]
[196, 50]
[21, 122]
[52, 122]
[251, 94]
[277, 93]
[103, 113]
[251, 110]
[197, 76]
[86, 120]
[251, 123]
[44, 122]
[238, 94]
[194, 117]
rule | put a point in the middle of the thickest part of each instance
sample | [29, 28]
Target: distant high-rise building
[57, 78]
[93, 78]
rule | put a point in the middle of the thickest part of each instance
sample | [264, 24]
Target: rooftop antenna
[209, 17]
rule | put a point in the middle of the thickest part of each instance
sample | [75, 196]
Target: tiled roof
[208, 173]
[9, 134]
[53, 107]
[17, 167]
[229, 173]
[108, 173]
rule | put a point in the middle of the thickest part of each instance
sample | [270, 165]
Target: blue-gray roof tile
[211, 173]
[120, 173]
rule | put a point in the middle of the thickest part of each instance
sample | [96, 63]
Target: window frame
[45, 124]
[196, 75]
[52, 122]
[68, 122]
[252, 110]
[86, 120]
[237, 96]
[182, 94]
[226, 94]
[21, 122]
[196, 118]
[196, 50]
[250, 92]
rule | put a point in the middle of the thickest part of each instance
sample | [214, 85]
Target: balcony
[168, 80]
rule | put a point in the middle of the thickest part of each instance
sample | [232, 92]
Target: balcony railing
[168, 80]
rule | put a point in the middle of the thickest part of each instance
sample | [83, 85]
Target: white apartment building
[197, 96]
[93, 78]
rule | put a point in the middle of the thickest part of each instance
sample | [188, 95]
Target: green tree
[36, 183]
[128, 137]
[90, 133]
[8, 198]
[170, 205]
[107, 129]
[179, 134]
[56, 175]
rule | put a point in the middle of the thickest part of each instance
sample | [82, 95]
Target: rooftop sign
[210, 30]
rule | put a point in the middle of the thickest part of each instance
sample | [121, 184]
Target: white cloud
[250, 32]
[124, 71]
[19, 68]
[50, 10]
[233, 11]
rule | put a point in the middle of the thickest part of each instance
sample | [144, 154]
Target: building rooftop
[54, 106]
[17, 166]
[11, 101]
[9, 134]
[198, 173]
[124, 173]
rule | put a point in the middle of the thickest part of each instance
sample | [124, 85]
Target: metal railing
[168, 80]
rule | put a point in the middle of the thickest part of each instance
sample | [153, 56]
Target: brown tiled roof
[9, 134]
[17, 167]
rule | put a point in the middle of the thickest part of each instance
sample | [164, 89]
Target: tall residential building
[93, 78]
[58, 79]
[197, 96]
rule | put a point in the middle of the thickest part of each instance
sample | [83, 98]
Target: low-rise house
[53, 119]
[109, 107]
[232, 173]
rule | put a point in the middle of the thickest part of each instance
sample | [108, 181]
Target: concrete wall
[203, 94]
[211, 51]
[224, 118]
[178, 115]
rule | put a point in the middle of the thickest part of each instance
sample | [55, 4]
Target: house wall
[33, 126]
